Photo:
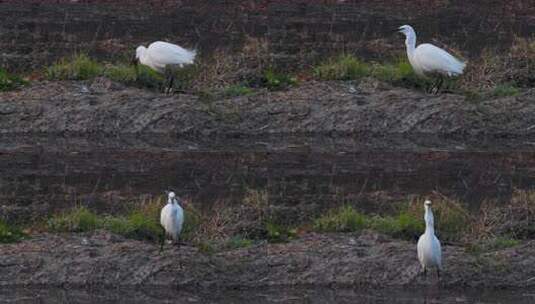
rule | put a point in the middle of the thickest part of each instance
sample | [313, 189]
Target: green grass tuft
[343, 67]
[451, 221]
[206, 247]
[504, 90]
[9, 234]
[238, 241]
[401, 74]
[403, 226]
[82, 67]
[142, 223]
[398, 73]
[500, 243]
[77, 67]
[277, 233]
[10, 82]
[276, 81]
[491, 244]
[124, 73]
[79, 219]
[344, 219]
[237, 90]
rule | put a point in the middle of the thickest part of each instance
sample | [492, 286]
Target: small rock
[84, 90]
[6, 109]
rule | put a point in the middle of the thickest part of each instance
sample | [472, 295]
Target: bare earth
[312, 108]
[355, 260]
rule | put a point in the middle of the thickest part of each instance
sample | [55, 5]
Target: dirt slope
[312, 108]
[338, 259]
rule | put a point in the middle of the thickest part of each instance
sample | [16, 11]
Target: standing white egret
[427, 59]
[172, 218]
[429, 251]
[164, 58]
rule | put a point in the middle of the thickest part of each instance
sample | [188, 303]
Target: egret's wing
[180, 219]
[420, 250]
[164, 215]
[433, 59]
[437, 252]
[164, 53]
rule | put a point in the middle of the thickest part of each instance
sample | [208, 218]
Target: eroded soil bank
[368, 107]
[355, 260]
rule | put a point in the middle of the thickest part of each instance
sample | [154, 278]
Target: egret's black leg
[171, 81]
[166, 83]
[425, 272]
[162, 240]
[438, 273]
[439, 84]
[431, 87]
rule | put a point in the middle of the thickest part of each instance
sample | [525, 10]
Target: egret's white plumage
[164, 57]
[172, 217]
[427, 58]
[429, 251]
[160, 55]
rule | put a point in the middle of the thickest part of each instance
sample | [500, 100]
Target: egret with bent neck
[427, 59]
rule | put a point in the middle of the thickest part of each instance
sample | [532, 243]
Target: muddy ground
[313, 108]
[356, 260]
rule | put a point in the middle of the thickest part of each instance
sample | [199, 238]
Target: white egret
[429, 251]
[164, 58]
[172, 218]
[427, 59]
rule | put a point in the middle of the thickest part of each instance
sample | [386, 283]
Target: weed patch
[238, 241]
[451, 221]
[142, 223]
[344, 219]
[277, 233]
[273, 80]
[79, 219]
[10, 82]
[77, 67]
[237, 90]
[403, 226]
[491, 244]
[9, 234]
[343, 67]
[504, 90]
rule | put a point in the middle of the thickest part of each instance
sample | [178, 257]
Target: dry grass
[514, 219]
[493, 69]
[224, 68]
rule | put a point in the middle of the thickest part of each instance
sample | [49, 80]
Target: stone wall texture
[34, 33]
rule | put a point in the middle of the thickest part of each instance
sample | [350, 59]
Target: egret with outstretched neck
[427, 59]
[172, 218]
[429, 250]
[164, 58]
